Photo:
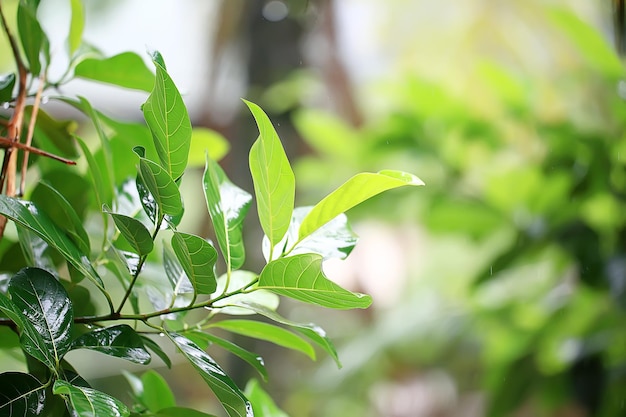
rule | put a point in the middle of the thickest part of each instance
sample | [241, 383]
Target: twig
[31, 130]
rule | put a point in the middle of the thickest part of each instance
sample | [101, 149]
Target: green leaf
[31, 36]
[231, 397]
[267, 332]
[154, 347]
[120, 341]
[77, 24]
[262, 403]
[21, 395]
[26, 214]
[228, 206]
[30, 339]
[180, 411]
[134, 232]
[334, 240]
[315, 333]
[250, 357]
[156, 394]
[88, 402]
[205, 140]
[175, 273]
[197, 257]
[45, 304]
[36, 251]
[242, 279]
[54, 136]
[167, 118]
[356, 190]
[301, 277]
[7, 82]
[274, 182]
[62, 214]
[161, 186]
[125, 70]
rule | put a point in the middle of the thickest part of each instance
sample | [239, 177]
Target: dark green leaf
[45, 304]
[77, 24]
[262, 403]
[356, 190]
[26, 214]
[31, 36]
[334, 240]
[231, 397]
[301, 277]
[161, 186]
[55, 136]
[120, 341]
[88, 402]
[134, 232]
[154, 346]
[21, 395]
[274, 182]
[125, 70]
[167, 118]
[7, 82]
[156, 394]
[36, 251]
[228, 206]
[315, 333]
[250, 357]
[197, 258]
[267, 332]
[62, 214]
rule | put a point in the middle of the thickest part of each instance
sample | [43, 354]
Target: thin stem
[8, 143]
[31, 131]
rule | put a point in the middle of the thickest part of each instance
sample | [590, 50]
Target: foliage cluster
[96, 260]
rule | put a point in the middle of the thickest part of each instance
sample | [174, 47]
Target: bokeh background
[499, 288]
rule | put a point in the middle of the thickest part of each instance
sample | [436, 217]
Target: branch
[8, 143]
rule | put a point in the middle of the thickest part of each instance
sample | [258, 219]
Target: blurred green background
[499, 288]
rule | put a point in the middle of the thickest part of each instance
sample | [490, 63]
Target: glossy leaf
[120, 341]
[315, 333]
[124, 70]
[31, 36]
[167, 118]
[134, 232]
[180, 411]
[7, 82]
[36, 251]
[88, 402]
[77, 24]
[231, 397]
[205, 140]
[21, 395]
[334, 240]
[197, 258]
[175, 273]
[250, 357]
[268, 332]
[44, 302]
[301, 277]
[228, 206]
[356, 190]
[156, 394]
[26, 214]
[30, 339]
[274, 182]
[262, 403]
[62, 214]
[161, 186]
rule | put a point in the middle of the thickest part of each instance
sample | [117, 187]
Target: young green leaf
[315, 333]
[228, 206]
[125, 70]
[205, 140]
[166, 116]
[301, 277]
[274, 182]
[231, 397]
[197, 257]
[133, 231]
[7, 82]
[251, 358]
[31, 35]
[156, 394]
[120, 341]
[54, 136]
[356, 190]
[62, 214]
[267, 332]
[262, 403]
[22, 395]
[26, 214]
[88, 402]
[77, 24]
[161, 186]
